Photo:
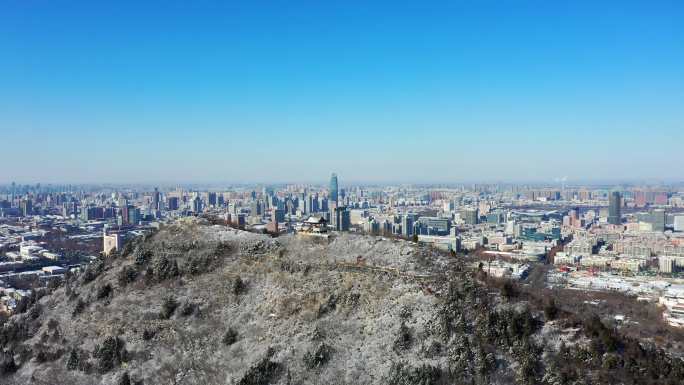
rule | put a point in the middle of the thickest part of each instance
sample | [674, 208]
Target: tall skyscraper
[340, 218]
[614, 208]
[125, 213]
[333, 188]
[345, 219]
[407, 225]
[197, 205]
[133, 215]
[255, 209]
[155, 199]
[172, 203]
[26, 207]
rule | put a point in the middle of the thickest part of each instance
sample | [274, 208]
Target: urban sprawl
[627, 238]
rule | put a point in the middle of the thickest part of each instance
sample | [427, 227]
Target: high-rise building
[658, 219]
[640, 198]
[197, 205]
[255, 209]
[125, 214]
[614, 208]
[133, 215]
[290, 206]
[470, 216]
[332, 210]
[304, 204]
[315, 207]
[666, 264]
[211, 198]
[278, 215]
[172, 203]
[240, 221]
[89, 213]
[341, 218]
[660, 198]
[407, 225]
[26, 207]
[679, 223]
[333, 188]
[155, 200]
[69, 208]
[345, 219]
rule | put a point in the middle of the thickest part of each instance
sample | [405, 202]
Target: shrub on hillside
[551, 310]
[79, 307]
[93, 271]
[508, 290]
[52, 324]
[168, 308]
[78, 360]
[165, 268]
[125, 379]
[261, 373]
[141, 256]
[7, 364]
[401, 374]
[110, 354]
[44, 354]
[187, 309]
[404, 339]
[14, 331]
[318, 357]
[327, 306]
[148, 334]
[230, 337]
[127, 275]
[239, 286]
[103, 291]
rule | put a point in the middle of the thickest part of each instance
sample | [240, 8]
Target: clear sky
[253, 91]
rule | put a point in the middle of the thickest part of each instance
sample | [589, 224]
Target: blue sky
[290, 91]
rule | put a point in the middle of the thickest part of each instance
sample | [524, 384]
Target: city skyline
[129, 93]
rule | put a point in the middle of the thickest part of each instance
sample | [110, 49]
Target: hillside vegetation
[201, 304]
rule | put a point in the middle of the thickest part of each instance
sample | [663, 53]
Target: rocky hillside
[201, 304]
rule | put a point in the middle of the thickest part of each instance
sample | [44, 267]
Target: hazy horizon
[387, 92]
[324, 181]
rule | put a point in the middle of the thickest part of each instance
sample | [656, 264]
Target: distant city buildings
[597, 237]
